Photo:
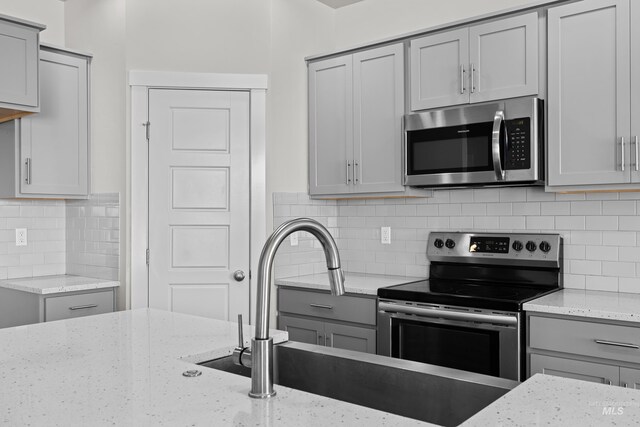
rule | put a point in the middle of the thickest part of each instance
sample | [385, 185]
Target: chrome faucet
[261, 353]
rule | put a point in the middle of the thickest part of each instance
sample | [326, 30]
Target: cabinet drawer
[579, 337]
[69, 306]
[318, 304]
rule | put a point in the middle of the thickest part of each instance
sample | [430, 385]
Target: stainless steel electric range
[468, 314]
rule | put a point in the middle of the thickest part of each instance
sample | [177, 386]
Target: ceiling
[338, 3]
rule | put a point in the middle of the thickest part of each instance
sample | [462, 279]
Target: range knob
[545, 246]
[450, 244]
[438, 243]
[531, 246]
[517, 246]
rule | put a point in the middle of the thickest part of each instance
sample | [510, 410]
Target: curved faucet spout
[262, 344]
[265, 265]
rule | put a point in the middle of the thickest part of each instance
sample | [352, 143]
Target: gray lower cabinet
[356, 105]
[24, 308]
[47, 155]
[586, 349]
[593, 79]
[493, 60]
[19, 42]
[316, 317]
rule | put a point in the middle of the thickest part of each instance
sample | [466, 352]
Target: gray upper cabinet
[590, 112]
[356, 104]
[495, 60]
[46, 155]
[19, 67]
[439, 67]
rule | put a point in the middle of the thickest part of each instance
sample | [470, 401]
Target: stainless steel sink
[424, 392]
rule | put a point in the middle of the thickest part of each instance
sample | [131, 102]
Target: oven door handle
[496, 148]
[451, 315]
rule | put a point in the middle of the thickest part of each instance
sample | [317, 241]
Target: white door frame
[140, 83]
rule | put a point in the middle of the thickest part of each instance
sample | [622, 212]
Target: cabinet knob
[238, 275]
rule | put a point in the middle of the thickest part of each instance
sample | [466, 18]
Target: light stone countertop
[585, 303]
[556, 401]
[356, 283]
[57, 284]
[125, 369]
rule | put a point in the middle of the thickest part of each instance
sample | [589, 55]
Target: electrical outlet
[294, 239]
[21, 237]
[385, 235]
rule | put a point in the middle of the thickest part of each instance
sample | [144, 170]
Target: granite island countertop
[586, 303]
[355, 283]
[125, 369]
[61, 283]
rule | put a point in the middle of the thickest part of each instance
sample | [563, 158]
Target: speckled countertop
[355, 283]
[57, 284]
[585, 303]
[555, 401]
[125, 369]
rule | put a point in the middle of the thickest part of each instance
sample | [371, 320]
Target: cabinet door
[350, 337]
[19, 65]
[504, 58]
[54, 143]
[630, 378]
[635, 92]
[576, 369]
[439, 70]
[378, 81]
[588, 99]
[331, 126]
[302, 330]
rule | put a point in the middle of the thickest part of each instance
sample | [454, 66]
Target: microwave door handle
[496, 149]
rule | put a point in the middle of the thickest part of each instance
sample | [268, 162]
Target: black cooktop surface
[465, 294]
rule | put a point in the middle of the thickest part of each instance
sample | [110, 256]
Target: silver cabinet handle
[625, 385]
[83, 307]
[498, 122]
[618, 344]
[609, 382]
[473, 78]
[27, 164]
[635, 143]
[326, 307]
[622, 154]
[462, 88]
[348, 170]
[238, 275]
[356, 171]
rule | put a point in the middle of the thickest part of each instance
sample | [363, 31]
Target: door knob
[238, 275]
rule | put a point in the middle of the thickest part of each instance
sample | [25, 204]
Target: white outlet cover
[21, 237]
[385, 235]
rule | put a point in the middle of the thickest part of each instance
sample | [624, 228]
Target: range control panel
[496, 248]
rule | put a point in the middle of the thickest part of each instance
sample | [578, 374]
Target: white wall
[47, 12]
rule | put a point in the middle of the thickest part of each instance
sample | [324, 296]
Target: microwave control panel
[519, 144]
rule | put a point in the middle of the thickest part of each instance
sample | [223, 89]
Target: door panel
[302, 330]
[439, 70]
[199, 202]
[504, 54]
[331, 126]
[378, 76]
[56, 140]
[19, 49]
[576, 369]
[588, 84]
[635, 92]
[350, 337]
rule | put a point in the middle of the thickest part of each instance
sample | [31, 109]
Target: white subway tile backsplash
[600, 231]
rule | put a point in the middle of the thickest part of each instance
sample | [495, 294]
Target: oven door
[483, 345]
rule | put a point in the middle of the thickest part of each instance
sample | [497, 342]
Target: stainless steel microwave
[500, 143]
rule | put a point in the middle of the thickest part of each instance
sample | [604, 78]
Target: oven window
[468, 349]
[450, 149]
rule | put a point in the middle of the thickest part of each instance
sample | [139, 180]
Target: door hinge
[147, 256]
[147, 126]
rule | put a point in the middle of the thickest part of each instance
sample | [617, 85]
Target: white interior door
[199, 202]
